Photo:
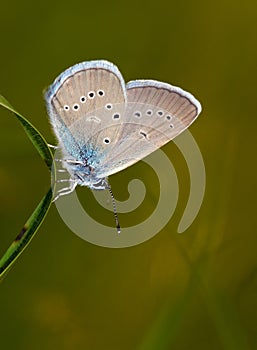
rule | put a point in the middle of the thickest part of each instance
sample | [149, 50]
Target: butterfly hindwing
[155, 113]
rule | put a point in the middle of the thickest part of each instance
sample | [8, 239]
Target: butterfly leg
[72, 161]
[65, 190]
[52, 146]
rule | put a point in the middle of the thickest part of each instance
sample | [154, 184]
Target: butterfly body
[104, 125]
[83, 169]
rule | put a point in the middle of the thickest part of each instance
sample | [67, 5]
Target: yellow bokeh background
[196, 290]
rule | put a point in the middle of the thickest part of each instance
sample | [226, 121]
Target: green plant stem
[31, 226]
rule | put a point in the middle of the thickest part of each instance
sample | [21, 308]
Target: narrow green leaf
[26, 234]
[34, 135]
[31, 226]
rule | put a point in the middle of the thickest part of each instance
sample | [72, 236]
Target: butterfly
[104, 125]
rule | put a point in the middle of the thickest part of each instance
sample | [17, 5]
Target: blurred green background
[194, 290]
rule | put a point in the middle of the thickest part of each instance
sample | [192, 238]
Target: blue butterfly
[104, 125]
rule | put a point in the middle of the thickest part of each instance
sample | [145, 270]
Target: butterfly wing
[95, 116]
[155, 113]
[74, 101]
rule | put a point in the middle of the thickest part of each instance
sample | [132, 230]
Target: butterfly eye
[91, 94]
[83, 99]
[66, 107]
[160, 113]
[100, 93]
[106, 140]
[116, 116]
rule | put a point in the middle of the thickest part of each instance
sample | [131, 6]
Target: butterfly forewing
[77, 94]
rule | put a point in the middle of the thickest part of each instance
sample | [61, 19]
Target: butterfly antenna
[114, 210]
